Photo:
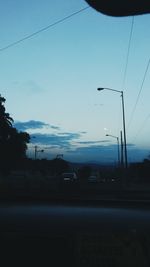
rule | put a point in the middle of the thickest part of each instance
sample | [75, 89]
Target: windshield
[74, 102]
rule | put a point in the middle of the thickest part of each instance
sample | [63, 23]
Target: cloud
[70, 144]
[32, 86]
[94, 148]
[29, 86]
[136, 153]
[32, 124]
[69, 135]
[93, 142]
[61, 141]
[39, 125]
[99, 153]
[105, 153]
[84, 132]
[130, 145]
[55, 127]
[67, 144]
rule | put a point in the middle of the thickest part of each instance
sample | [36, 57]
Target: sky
[50, 80]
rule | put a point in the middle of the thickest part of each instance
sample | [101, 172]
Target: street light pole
[123, 119]
[117, 146]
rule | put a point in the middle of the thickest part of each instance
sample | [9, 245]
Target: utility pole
[124, 132]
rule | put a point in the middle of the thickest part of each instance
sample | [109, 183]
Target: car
[92, 179]
[69, 177]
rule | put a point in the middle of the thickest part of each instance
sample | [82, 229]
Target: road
[75, 235]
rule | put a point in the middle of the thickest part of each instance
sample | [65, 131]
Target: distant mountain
[93, 164]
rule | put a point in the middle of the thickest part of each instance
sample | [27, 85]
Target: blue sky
[50, 80]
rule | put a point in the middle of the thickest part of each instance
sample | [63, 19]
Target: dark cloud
[92, 150]
[105, 153]
[64, 133]
[55, 127]
[76, 150]
[93, 142]
[32, 124]
[61, 141]
[69, 136]
[83, 132]
[99, 153]
[131, 145]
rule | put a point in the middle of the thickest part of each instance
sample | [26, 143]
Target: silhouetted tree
[17, 144]
[13, 144]
[5, 121]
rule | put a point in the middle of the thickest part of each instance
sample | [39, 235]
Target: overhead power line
[42, 29]
[134, 108]
[141, 127]
[126, 61]
[128, 52]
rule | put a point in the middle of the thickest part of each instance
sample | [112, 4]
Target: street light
[117, 145]
[123, 120]
[37, 151]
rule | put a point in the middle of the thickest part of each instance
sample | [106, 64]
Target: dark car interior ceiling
[121, 8]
